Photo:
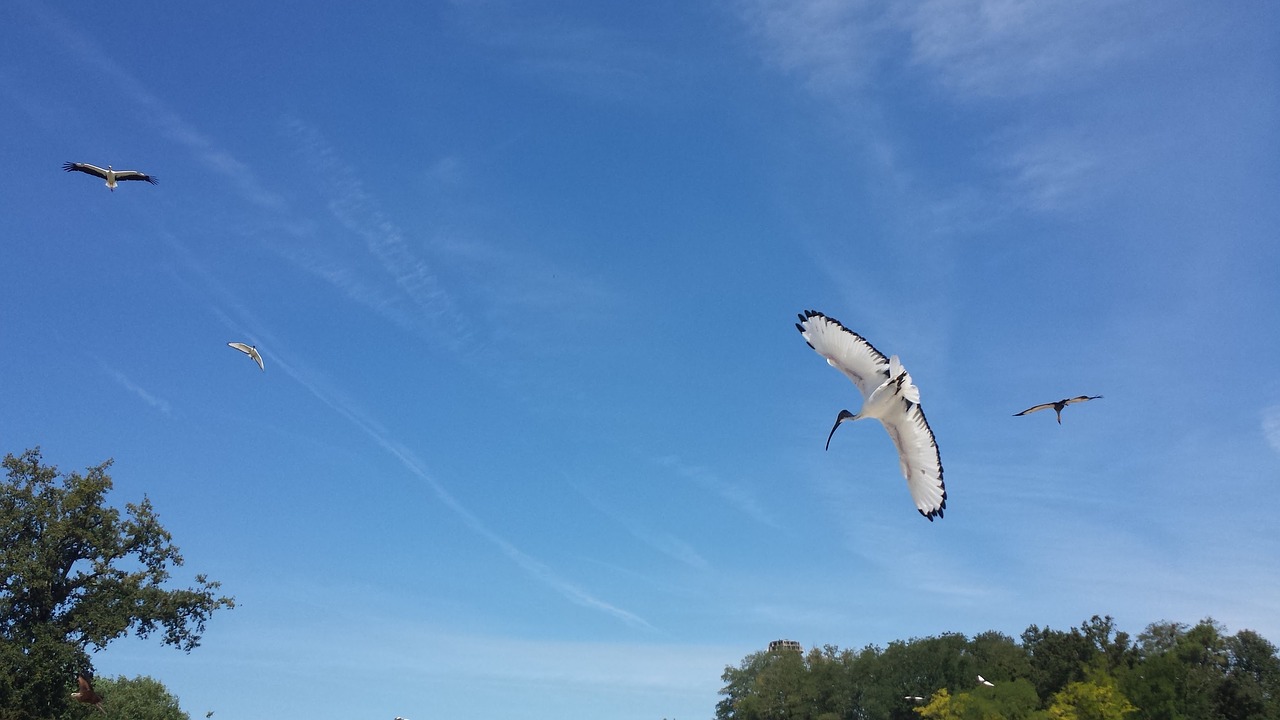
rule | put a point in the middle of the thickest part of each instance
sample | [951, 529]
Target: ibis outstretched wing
[1034, 408]
[918, 456]
[135, 175]
[845, 350]
[85, 168]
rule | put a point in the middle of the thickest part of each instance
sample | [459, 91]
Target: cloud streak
[380, 436]
[739, 497]
[123, 381]
[1271, 427]
[357, 211]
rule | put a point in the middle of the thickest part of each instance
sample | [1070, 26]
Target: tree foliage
[138, 698]
[77, 573]
[1091, 672]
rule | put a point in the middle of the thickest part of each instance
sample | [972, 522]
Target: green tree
[139, 698]
[1056, 657]
[1179, 673]
[1251, 689]
[75, 574]
[1014, 700]
[1097, 698]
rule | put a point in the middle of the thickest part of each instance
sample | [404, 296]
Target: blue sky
[537, 436]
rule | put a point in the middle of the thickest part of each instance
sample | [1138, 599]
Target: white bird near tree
[888, 396]
[985, 681]
[111, 176]
[1057, 406]
[250, 350]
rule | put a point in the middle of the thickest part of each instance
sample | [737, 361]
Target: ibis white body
[250, 350]
[888, 396]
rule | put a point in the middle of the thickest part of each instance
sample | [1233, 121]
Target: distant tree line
[1172, 671]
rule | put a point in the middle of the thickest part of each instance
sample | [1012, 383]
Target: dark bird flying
[1057, 406]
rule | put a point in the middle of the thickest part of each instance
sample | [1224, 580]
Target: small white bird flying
[985, 681]
[1057, 406]
[913, 698]
[250, 350]
[111, 176]
[888, 396]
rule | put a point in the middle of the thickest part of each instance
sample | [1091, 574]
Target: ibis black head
[844, 415]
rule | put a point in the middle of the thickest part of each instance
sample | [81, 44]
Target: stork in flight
[87, 695]
[888, 396]
[250, 350]
[111, 176]
[1057, 406]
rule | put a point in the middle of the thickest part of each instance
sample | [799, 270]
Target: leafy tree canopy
[139, 698]
[1093, 672]
[77, 573]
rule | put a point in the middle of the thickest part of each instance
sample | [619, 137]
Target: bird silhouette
[1057, 406]
[86, 694]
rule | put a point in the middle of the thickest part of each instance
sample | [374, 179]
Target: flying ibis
[111, 176]
[86, 694]
[1057, 406]
[985, 681]
[250, 350]
[888, 396]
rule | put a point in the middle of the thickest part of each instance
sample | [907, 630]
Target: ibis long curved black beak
[844, 415]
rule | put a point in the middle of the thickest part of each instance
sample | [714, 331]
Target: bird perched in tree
[888, 396]
[250, 350]
[86, 694]
[111, 176]
[1057, 406]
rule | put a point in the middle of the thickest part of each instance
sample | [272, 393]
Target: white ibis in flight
[888, 396]
[250, 350]
[1057, 406]
[111, 176]
[985, 681]
[86, 694]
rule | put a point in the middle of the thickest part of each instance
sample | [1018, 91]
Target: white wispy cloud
[738, 496]
[662, 542]
[571, 57]
[1051, 173]
[974, 48]
[242, 321]
[348, 202]
[971, 52]
[406, 457]
[833, 45]
[357, 211]
[1271, 426]
[1009, 47]
[149, 398]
